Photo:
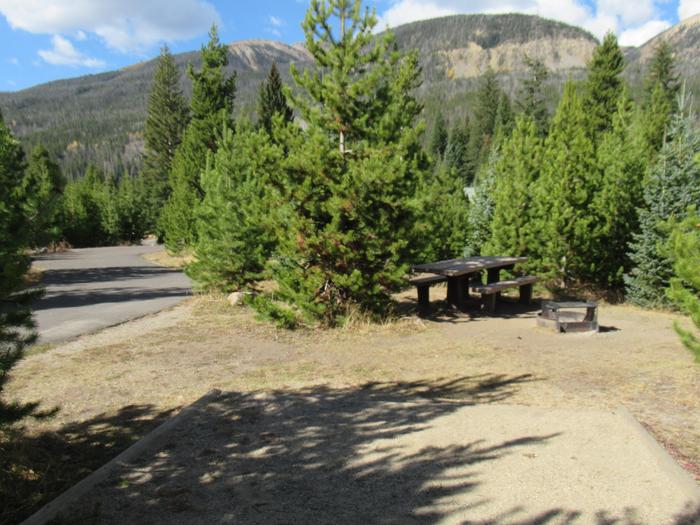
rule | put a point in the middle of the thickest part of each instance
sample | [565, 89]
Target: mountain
[99, 118]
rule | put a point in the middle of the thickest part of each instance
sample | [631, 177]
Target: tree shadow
[77, 298]
[72, 276]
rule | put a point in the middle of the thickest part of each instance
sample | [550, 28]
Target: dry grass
[113, 386]
[165, 259]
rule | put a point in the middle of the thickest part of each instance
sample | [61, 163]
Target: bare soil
[114, 386]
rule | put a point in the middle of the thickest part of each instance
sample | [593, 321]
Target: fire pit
[569, 316]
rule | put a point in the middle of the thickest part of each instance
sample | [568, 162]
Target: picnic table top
[464, 266]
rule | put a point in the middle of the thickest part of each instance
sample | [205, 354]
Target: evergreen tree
[439, 138]
[445, 221]
[166, 120]
[561, 229]
[211, 111]
[236, 219]
[622, 165]
[604, 85]
[491, 111]
[350, 177]
[132, 199]
[481, 205]
[516, 173]
[532, 99]
[684, 247]
[456, 155]
[661, 88]
[272, 101]
[16, 324]
[41, 188]
[672, 186]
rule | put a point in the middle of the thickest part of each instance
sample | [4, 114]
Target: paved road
[90, 289]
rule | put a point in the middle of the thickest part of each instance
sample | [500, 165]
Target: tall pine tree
[273, 102]
[166, 119]
[42, 188]
[516, 173]
[532, 99]
[351, 175]
[561, 228]
[604, 85]
[673, 186]
[661, 89]
[439, 137]
[211, 110]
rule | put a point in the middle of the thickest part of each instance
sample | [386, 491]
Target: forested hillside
[99, 118]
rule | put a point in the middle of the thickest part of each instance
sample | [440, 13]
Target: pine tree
[439, 137]
[622, 165]
[481, 205]
[41, 189]
[16, 324]
[672, 186]
[132, 199]
[661, 90]
[561, 228]
[516, 173]
[684, 248]
[456, 155]
[166, 119]
[532, 99]
[236, 219]
[604, 85]
[350, 177]
[445, 224]
[272, 101]
[211, 111]
[491, 111]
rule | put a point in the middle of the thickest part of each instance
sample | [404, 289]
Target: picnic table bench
[459, 272]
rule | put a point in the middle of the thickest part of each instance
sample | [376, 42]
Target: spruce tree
[491, 111]
[672, 186]
[166, 119]
[272, 101]
[439, 138]
[16, 324]
[684, 250]
[561, 229]
[516, 173]
[41, 190]
[481, 205]
[532, 100]
[456, 154]
[350, 177]
[211, 109]
[236, 219]
[622, 164]
[604, 85]
[661, 89]
[131, 206]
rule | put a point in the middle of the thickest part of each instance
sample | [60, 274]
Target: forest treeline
[331, 195]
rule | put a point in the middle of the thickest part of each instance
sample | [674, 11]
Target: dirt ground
[112, 387]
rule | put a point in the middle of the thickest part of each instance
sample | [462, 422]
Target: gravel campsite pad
[331, 455]
[115, 386]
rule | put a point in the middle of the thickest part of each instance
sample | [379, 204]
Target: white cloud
[688, 8]
[639, 35]
[64, 54]
[14, 61]
[277, 22]
[632, 19]
[124, 25]
[80, 36]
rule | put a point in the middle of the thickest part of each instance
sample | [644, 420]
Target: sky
[44, 40]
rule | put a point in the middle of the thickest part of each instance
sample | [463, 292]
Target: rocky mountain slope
[99, 118]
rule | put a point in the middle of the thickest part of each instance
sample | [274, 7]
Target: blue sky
[44, 40]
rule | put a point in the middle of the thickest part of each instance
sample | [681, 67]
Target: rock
[236, 298]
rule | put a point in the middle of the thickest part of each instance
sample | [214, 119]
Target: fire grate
[569, 316]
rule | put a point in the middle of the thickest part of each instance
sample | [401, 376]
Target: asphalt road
[93, 288]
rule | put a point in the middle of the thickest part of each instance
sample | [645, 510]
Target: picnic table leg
[423, 299]
[494, 275]
[452, 290]
[456, 290]
[526, 294]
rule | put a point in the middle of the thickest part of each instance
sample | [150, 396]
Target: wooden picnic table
[458, 272]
